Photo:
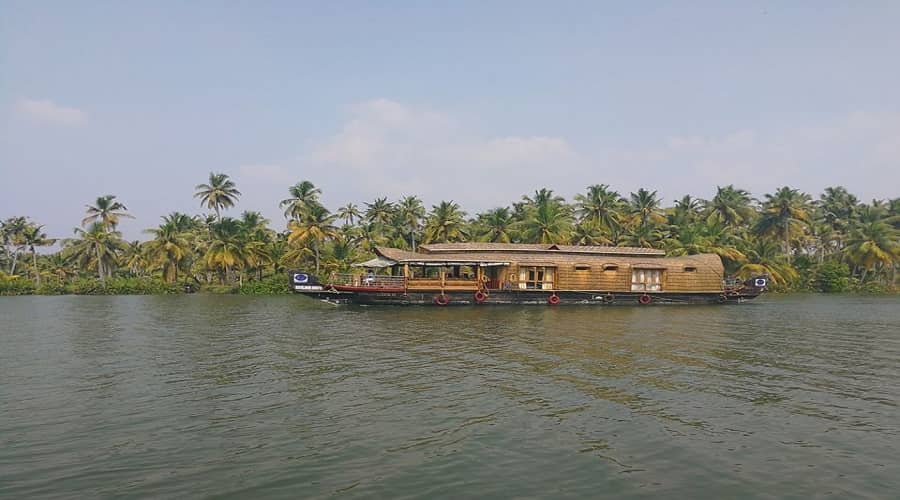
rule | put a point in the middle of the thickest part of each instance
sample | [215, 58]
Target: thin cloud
[387, 148]
[46, 111]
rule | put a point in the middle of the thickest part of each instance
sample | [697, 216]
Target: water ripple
[281, 397]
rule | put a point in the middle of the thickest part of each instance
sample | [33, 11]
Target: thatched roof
[541, 255]
[544, 248]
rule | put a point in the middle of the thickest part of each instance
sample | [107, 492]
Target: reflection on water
[286, 397]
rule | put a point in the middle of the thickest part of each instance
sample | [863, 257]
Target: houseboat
[502, 273]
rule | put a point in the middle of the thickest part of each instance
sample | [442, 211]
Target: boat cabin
[538, 267]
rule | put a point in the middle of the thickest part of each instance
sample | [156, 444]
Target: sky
[478, 102]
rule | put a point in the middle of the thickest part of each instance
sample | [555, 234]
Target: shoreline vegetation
[831, 244]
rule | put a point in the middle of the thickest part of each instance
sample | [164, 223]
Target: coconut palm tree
[313, 229]
[303, 195]
[784, 214]
[380, 211]
[107, 211]
[685, 211]
[169, 248]
[134, 258]
[12, 231]
[589, 233]
[226, 248]
[601, 207]
[763, 257]
[218, 194]
[494, 226]
[548, 223]
[873, 244]
[349, 213]
[730, 205]
[33, 237]
[97, 248]
[445, 223]
[645, 208]
[410, 213]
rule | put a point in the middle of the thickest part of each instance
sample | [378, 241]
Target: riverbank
[273, 285]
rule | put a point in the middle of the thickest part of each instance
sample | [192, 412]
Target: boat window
[536, 278]
[610, 267]
[690, 269]
[582, 267]
[649, 280]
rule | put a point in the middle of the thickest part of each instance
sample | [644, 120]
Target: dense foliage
[832, 244]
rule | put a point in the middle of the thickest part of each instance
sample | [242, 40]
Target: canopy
[377, 262]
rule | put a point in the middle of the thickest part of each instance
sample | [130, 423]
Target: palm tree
[644, 235]
[730, 205]
[589, 233]
[219, 193]
[349, 213]
[13, 228]
[645, 209]
[494, 226]
[601, 207]
[410, 213]
[169, 247]
[58, 265]
[872, 244]
[134, 257]
[107, 211]
[548, 223]
[33, 237]
[226, 248]
[784, 213]
[763, 258]
[303, 195]
[380, 211]
[445, 223]
[685, 211]
[97, 248]
[315, 227]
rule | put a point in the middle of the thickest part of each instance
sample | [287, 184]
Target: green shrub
[272, 285]
[833, 277]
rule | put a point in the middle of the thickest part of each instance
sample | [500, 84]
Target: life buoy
[609, 298]
[553, 299]
[645, 299]
[480, 297]
[441, 300]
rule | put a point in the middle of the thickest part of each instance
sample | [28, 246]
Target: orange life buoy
[553, 299]
[645, 299]
[441, 300]
[480, 297]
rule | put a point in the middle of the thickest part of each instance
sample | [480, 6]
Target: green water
[237, 397]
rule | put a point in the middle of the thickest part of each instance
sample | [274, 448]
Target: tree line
[833, 243]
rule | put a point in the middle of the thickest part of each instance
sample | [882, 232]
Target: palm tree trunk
[37, 274]
[100, 266]
[316, 249]
[12, 268]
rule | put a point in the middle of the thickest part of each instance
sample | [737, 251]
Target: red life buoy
[480, 297]
[553, 299]
[645, 299]
[441, 300]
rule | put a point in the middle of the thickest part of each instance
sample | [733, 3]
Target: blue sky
[479, 102]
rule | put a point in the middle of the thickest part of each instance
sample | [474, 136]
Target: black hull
[531, 297]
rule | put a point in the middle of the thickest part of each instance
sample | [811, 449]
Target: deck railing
[368, 280]
[732, 283]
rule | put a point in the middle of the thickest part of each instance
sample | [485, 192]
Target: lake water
[285, 397]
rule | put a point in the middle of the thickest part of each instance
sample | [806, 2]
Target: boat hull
[527, 297]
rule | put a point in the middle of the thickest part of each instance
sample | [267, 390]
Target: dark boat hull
[529, 297]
